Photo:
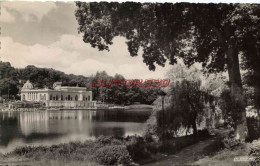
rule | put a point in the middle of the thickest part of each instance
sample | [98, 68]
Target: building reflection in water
[53, 127]
[34, 122]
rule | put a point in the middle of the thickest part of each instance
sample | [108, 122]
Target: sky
[45, 34]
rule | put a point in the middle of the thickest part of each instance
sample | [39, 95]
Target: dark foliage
[8, 81]
[254, 152]
[215, 34]
[105, 151]
[253, 124]
[137, 148]
[112, 155]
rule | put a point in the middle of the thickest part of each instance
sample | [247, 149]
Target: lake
[54, 127]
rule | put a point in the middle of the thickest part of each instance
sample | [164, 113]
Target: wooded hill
[12, 79]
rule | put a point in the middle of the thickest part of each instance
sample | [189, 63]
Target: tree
[205, 33]
[187, 97]
[8, 82]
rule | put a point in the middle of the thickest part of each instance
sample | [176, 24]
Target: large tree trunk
[237, 96]
[194, 127]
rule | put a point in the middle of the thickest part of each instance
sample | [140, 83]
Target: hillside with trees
[13, 79]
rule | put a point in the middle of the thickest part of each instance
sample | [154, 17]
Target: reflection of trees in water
[102, 115]
[46, 125]
[115, 131]
[24, 125]
[41, 136]
[122, 116]
[8, 128]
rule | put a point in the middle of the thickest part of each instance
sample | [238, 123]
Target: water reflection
[53, 127]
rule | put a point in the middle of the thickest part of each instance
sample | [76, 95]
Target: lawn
[226, 157]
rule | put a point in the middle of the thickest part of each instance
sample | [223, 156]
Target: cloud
[43, 56]
[45, 35]
[28, 11]
[71, 55]
[5, 16]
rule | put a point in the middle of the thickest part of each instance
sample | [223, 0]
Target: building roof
[27, 85]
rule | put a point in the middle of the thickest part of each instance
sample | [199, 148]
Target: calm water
[54, 127]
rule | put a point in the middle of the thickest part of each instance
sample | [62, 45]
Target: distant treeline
[12, 80]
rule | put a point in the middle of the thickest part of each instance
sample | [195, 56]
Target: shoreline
[134, 106]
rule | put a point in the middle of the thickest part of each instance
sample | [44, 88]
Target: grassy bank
[171, 146]
[103, 151]
[21, 161]
[226, 157]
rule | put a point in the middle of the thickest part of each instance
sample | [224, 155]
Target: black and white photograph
[129, 83]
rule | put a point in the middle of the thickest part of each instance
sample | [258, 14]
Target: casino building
[59, 96]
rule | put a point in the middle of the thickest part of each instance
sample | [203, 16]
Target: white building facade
[59, 96]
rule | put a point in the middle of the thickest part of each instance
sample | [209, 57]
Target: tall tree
[206, 33]
[8, 81]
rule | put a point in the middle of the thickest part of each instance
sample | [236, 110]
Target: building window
[50, 96]
[61, 97]
[76, 97]
[88, 98]
[68, 97]
[57, 97]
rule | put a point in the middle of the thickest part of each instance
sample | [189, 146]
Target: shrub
[108, 140]
[231, 143]
[137, 148]
[203, 133]
[104, 140]
[254, 152]
[151, 132]
[22, 150]
[253, 129]
[112, 155]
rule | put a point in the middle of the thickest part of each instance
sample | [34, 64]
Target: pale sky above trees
[45, 35]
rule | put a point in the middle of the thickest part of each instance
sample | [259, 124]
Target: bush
[231, 143]
[253, 129]
[30, 151]
[137, 148]
[151, 132]
[112, 155]
[203, 133]
[254, 152]
[108, 140]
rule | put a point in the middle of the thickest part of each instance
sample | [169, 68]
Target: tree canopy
[195, 32]
[212, 34]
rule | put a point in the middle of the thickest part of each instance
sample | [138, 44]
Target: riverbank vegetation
[103, 151]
